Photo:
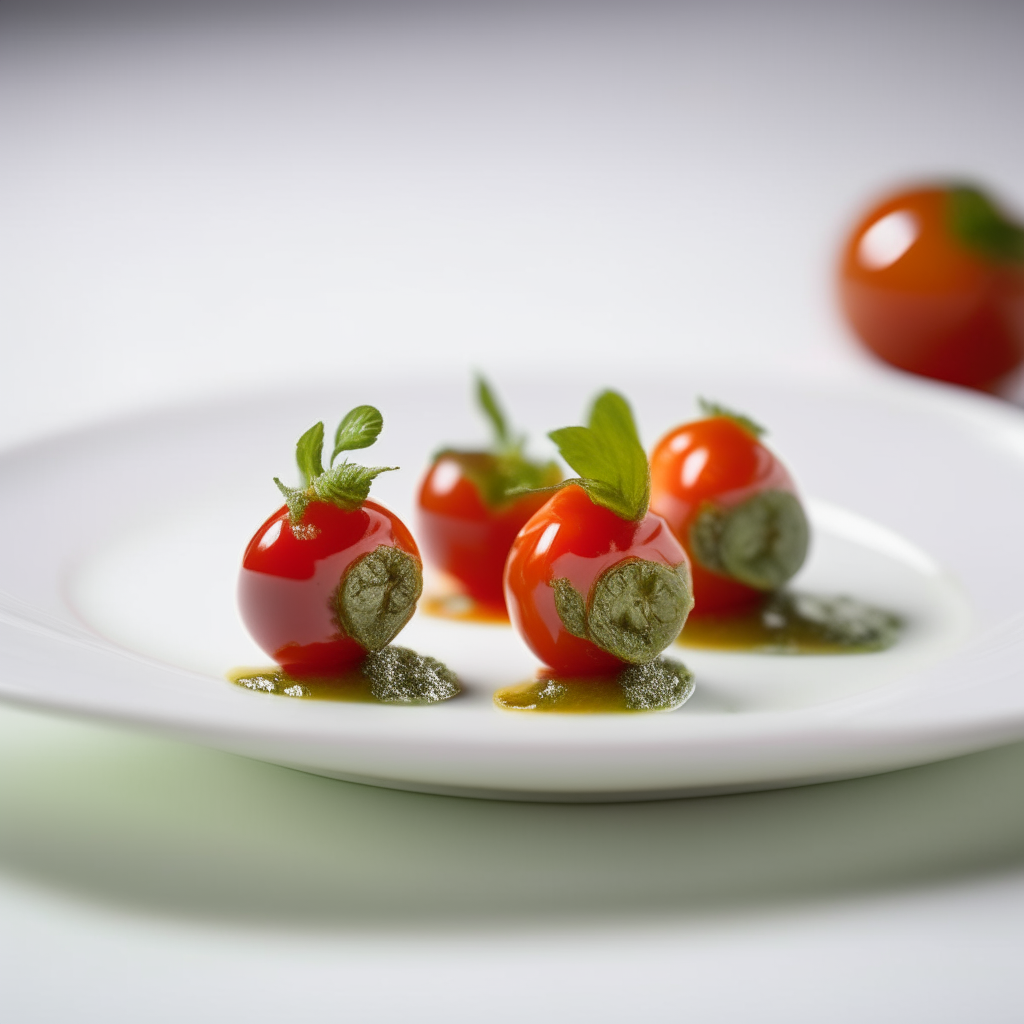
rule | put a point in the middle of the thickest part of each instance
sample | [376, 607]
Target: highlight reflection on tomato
[469, 511]
[932, 281]
[594, 581]
[732, 505]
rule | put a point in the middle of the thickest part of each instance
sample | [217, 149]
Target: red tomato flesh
[289, 577]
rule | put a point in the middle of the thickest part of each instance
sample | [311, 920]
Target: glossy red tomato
[932, 280]
[701, 474]
[463, 534]
[305, 593]
[631, 578]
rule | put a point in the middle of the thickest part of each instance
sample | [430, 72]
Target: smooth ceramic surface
[119, 577]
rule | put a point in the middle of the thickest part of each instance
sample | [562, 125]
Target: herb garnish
[345, 485]
[713, 409]
[503, 472]
[976, 221]
[609, 458]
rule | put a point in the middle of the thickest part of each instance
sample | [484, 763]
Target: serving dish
[123, 544]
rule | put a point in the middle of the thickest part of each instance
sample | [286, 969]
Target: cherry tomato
[464, 535]
[631, 578]
[298, 588]
[733, 507]
[469, 511]
[932, 281]
[331, 576]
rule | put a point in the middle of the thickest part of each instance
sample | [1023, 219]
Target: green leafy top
[503, 472]
[345, 485]
[609, 458]
[489, 404]
[980, 225]
[743, 422]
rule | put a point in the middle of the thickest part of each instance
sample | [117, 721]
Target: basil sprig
[503, 472]
[609, 458]
[346, 485]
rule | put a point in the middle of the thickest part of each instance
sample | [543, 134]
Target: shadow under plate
[157, 827]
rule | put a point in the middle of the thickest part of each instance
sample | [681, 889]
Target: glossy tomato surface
[289, 579]
[924, 300]
[463, 535]
[712, 461]
[574, 539]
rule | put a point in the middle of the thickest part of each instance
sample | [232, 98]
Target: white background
[194, 203]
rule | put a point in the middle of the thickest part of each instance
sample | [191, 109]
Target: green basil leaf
[308, 453]
[347, 485]
[359, 429]
[487, 401]
[609, 458]
[980, 225]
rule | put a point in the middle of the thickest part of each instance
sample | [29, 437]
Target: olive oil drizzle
[789, 622]
[349, 686]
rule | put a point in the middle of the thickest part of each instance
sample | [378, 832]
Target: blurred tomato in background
[932, 281]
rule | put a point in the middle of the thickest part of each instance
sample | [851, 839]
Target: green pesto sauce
[660, 685]
[394, 675]
[794, 623]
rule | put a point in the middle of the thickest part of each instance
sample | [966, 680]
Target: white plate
[122, 544]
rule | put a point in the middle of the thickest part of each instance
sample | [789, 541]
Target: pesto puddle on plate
[660, 685]
[796, 623]
[394, 675]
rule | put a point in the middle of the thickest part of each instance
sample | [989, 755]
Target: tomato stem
[346, 485]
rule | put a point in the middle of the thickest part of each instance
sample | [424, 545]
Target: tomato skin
[939, 308]
[287, 581]
[571, 537]
[711, 461]
[464, 536]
